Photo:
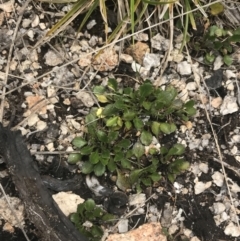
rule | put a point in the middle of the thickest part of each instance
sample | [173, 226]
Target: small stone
[229, 85]
[41, 125]
[137, 199]
[67, 202]
[85, 60]
[42, 26]
[201, 187]
[123, 226]
[232, 230]
[126, 58]
[195, 239]
[229, 105]
[215, 81]
[138, 51]
[51, 93]
[191, 86]
[26, 22]
[176, 56]
[218, 63]
[151, 60]
[141, 37]
[33, 119]
[173, 229]
[67, 101]
[105, 61]
[218, 179]
[93, 41]
[147, 232]
[75, 124]
[52, 59]
[91, 24]
[230, 74]
[218, 208]
[86, 98]
[216, 102]
[203, 167]
[160, 43]
[184, 68]
[35, 21]
[236, 138]
[234, 150]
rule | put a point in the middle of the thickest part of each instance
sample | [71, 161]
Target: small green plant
[88, 211]
[218, 41]
[118, 133]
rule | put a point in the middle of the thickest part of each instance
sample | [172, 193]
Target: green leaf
[108, 217]
[110, 110]
[79, 142]
[191, 111]
[138, 149]
[112, 121]
[209, 58]
[122, 181]
[138, 123]
[163, 150]
[135, 175]
[146, 181]
[179, 165]
[99, 90]
[112, 136]
[128, 125]
[111, 165]
[189, 104]
[86, 150]
[216, 8]
[147, 105]
[167, 128]
[104, 161]
[102, 98]
[227, 60]
[155, 127]
[74, 217]
[90, 119]
[118, 156]
[99, 169]
[129, 115]
[119, 104]
[171, 177]
[145, 90]
[102, 136]
[125, 143]
[89, 205]
[105, 153]
[112, 84]
[176, 150]
[155, 177]
[73, 158]
[125, 163]
[87, 167]
[146, 138]
[96, 231]
[94, 157]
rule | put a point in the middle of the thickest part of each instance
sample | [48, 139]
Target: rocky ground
[47, 94]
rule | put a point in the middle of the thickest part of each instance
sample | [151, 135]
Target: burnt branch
[43, 212]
